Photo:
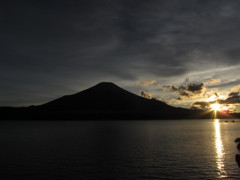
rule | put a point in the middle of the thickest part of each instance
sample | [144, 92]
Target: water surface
[171, 149]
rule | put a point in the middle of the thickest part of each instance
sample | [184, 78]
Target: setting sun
[216, 106]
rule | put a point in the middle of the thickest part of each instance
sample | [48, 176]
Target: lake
[142, 150]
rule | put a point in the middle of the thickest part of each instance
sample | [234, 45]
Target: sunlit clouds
[146, 94]
[196, 95]
[146, 83]
[214, 81]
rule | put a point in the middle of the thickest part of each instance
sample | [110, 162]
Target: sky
[183, 52]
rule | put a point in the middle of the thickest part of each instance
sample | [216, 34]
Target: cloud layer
[51, 48]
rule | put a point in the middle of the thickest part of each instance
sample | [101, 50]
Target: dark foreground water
[186, 149]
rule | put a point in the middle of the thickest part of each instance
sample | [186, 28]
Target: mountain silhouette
[104, 101]
[106, 97]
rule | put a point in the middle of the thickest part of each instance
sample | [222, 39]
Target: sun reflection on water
[219, 150]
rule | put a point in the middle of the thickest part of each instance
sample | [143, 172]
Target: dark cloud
[194, 88]
[216, 94]
[190, 90]
[233, 94]
[61, 43]
[200, 105]
[233, 98]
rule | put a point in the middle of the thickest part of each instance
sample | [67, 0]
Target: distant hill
[102, 101]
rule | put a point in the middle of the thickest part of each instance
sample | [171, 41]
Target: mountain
[106, 97]
[102, 101]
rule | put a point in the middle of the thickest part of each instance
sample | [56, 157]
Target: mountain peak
[106, 84]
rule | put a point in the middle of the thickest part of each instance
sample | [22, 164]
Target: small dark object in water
[237, 140]
[238, 146]
[226, 121]
[233, 121]
[237, 157]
